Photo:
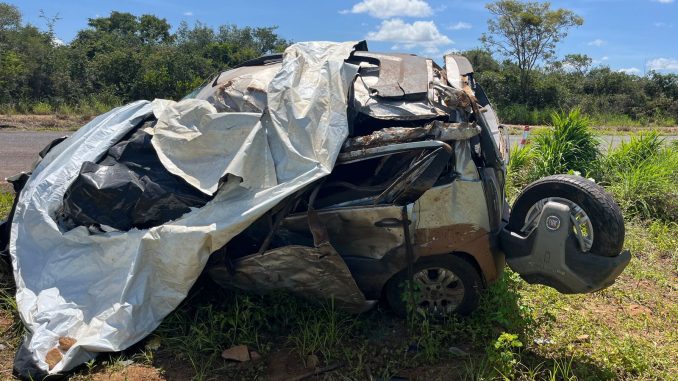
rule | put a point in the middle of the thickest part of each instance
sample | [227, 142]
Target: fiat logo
[552, 222]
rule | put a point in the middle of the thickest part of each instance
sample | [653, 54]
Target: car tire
[603, 212]
[466, 276]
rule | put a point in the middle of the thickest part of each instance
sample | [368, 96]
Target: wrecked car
[328, 171]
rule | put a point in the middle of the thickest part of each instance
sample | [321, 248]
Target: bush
[522, 114]
[642, 174]
[569, 145]
[42, 108]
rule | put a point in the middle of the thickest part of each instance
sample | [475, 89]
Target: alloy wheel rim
[440, 291]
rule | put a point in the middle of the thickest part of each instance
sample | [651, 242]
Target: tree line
[123, 57]
[117, 59]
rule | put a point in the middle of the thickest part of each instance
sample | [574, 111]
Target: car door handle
[389, 223]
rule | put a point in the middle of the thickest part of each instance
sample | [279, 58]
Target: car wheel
[443, 285]
[596, 218]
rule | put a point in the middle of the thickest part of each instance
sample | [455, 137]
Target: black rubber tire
[606, 217]
[467, 274]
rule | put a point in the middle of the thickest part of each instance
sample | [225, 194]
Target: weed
[6, 200]
[518, 170]
[321, 332]
[642, 174]
[504, 355]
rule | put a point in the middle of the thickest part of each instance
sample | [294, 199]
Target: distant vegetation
[124, 57]
[115, 59]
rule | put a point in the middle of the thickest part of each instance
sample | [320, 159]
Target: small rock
[255, 356]
[582, 338]
[637, 309]
[312, 361]
[53, 357]
[457, 352]
[65, 343]
[3, 347]
[238, 353]
[125, 363]
[543, 341]
[153, 343]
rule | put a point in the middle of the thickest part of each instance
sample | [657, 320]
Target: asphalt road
[18, 149]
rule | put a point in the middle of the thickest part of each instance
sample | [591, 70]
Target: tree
[580, 63]
[527, 33]
[10, 17]
[481, 60]
[154, 30]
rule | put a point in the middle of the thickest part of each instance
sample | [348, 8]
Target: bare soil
[42, 122]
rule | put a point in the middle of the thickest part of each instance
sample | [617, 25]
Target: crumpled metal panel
[436, 130]
[313, 273]
[400, 75]
[367, 103]
[457, 70]
[358, 224]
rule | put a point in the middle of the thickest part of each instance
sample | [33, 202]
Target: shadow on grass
[495, 341]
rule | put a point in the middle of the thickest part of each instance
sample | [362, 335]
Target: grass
[85, 108]
[6, 200]
[522, 114]
[642, 174]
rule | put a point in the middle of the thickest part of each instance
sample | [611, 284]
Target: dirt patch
[42, 122]
[129, 373]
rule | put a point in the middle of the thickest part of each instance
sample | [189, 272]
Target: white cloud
[384, 9]
[420, 34]
[596, 42]
[663, 64]
[600, 61]
[57, 41]
[460, 25]
[188, 14]
[663, 1]
[631, 70]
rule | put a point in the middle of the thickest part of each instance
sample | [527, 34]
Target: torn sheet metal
[362, 224]
[313, 273]
[400, 75]
[436, 130]
[367, 102]
[109, 290]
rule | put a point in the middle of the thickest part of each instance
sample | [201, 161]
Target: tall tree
[10, 17]
[527, 33]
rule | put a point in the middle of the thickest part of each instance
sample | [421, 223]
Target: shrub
[569, 145]
[518, 169]
[41, 108]
[642, 174]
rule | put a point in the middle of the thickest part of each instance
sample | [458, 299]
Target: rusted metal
[436, 130]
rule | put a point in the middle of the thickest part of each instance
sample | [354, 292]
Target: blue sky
[631, 35]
